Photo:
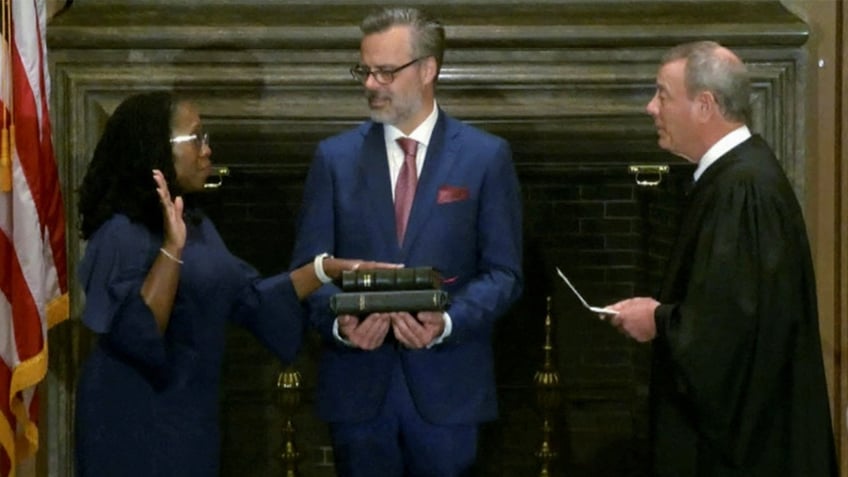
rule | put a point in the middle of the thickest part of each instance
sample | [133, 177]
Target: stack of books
[383, 290]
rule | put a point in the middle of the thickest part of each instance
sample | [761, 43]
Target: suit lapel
[441, 155]
[374, 175]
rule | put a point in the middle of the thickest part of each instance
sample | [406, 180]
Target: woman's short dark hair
[119, 178]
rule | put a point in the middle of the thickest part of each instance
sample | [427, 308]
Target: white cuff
[318, 265]
[338, 335]
[445, 333]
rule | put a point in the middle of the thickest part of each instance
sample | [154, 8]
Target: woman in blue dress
[160, 285]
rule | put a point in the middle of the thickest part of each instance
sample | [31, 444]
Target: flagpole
[5, 145]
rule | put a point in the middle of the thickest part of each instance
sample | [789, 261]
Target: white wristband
[318, 265]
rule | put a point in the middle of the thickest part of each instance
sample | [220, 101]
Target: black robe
[738, 385]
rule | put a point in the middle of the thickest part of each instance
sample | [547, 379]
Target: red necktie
[406, 182]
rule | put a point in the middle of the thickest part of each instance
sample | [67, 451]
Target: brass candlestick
[289, 384]
[548, 397]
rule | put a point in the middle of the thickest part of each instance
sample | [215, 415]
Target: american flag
[33, 275]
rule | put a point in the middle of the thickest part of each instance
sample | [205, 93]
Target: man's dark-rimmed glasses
[383, 76]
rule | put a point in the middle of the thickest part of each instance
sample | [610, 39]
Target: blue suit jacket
[471, 232]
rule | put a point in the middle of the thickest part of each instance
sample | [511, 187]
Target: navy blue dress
[147, 404]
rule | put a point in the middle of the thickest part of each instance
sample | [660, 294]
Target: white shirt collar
[421, 134]
[720, 148]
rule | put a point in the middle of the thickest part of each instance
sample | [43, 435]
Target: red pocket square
[451, 194]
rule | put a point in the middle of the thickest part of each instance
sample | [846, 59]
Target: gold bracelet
[168, 254]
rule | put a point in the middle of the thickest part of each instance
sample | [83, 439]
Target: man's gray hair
[708, 69]
[428, 34]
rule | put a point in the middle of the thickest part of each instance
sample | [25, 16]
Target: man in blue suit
[404, 393]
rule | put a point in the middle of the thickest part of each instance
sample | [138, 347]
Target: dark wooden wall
[565, 82]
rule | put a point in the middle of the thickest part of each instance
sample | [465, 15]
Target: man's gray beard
[381, 117]
[395, 116]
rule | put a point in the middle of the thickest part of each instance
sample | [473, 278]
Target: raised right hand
[174, 228]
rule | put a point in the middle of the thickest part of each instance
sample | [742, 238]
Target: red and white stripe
[33, 275]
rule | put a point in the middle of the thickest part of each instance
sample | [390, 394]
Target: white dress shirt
[395, 153]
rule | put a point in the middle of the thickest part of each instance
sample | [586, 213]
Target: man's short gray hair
[428, 34]
[707, 69]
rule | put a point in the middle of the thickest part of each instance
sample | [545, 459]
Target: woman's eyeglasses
[200, 139]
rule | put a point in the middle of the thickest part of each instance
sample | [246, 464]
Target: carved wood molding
[547, 109]
[470, 24]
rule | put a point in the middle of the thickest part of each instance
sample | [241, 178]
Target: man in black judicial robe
[738, 385]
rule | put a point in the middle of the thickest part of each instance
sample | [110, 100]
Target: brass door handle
[217, 175]
[654, 173]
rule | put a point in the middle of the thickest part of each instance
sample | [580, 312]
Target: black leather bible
[364, 303]
[413, 278]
